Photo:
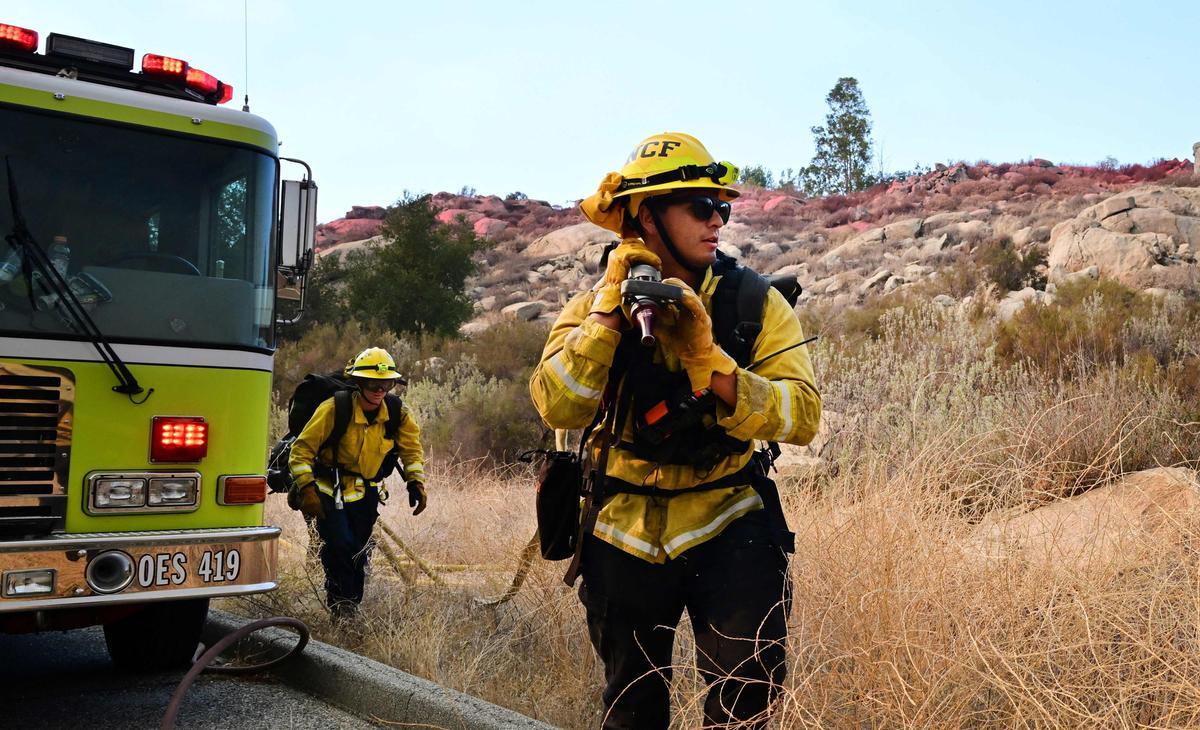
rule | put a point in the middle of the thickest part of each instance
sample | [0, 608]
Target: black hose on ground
[202, 663]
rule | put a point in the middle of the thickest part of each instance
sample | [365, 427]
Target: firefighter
[341, 492]
[697, 526]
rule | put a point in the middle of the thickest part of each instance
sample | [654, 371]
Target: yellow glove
[416, 497]
[620, 260]
[690, 337]
[310, 502]
[601, 209]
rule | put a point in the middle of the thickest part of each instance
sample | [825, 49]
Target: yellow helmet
[658, 165]
[374, 363]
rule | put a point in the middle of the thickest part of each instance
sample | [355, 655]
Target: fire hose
[204, 661]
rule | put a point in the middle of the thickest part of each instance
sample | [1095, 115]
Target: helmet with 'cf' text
[658, 165]
[374, 363]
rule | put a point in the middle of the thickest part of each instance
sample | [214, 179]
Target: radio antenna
[246, 53]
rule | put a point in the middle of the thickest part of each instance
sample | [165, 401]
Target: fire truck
[150, 250]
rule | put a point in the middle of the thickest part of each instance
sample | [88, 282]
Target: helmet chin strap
[666, 239]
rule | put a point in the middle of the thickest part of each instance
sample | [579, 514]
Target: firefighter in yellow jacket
[341, 492]
[689, 520]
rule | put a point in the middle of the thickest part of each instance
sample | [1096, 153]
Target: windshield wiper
[34, 256]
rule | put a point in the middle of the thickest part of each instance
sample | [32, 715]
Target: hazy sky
[542, 97]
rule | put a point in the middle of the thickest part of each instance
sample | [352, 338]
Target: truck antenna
[246, 52]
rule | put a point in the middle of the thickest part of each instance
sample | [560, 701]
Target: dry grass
[901, 618]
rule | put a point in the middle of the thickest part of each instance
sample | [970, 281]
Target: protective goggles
[721, 173]
[377, 386]
[701, 206]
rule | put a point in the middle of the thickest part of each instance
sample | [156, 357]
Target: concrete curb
[369, 689]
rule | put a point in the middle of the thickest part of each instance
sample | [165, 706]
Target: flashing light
[165, 67]
[202, 81]
[178, 439]
[212, 88]
[18, 39]
[243, 490]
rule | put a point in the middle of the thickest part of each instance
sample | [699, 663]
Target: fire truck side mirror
[297, 226]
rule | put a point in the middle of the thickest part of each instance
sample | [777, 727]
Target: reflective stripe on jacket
[361, 449]
[777, 402]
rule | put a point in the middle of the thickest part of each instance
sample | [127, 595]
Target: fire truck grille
[37, 407]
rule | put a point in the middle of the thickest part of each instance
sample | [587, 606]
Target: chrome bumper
[168, 565]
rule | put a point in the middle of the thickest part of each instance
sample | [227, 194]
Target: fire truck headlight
[118, 493]
[19, 583]
[173, 491]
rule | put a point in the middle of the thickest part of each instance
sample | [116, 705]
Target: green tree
[843, 145]
[414, 281]
[758, 176]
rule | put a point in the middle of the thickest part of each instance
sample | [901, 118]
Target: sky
[384, 98]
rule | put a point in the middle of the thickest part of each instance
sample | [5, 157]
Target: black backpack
[314, 390]
[738, 303]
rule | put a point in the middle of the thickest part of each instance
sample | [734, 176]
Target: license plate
[159, 570]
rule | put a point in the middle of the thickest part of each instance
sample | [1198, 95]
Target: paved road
[65, 680]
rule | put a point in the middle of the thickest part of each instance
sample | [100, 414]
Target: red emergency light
[178, 439]
[165, 67]
[18, 39]
[210, 86]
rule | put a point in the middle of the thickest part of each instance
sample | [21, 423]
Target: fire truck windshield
[163, 238]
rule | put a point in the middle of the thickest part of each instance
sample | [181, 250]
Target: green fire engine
[148, 243]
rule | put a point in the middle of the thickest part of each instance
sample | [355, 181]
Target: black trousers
[345, 548]
[737, 591]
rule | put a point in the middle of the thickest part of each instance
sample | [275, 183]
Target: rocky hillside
[1137, 224]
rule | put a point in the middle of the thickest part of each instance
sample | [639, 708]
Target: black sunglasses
[703, 206]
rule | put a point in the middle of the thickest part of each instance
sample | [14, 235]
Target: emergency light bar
[210, 86]
[13, 38]
[108, 64]
[81, 49]
[164, 67]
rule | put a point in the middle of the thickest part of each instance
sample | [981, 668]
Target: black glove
[416, 497]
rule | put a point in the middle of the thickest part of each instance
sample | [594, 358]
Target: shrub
[1008, 268]
[468, 415]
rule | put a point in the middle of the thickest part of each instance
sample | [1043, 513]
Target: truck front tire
[161, 636]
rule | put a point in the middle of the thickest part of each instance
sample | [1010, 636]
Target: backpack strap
[341, 420]
[738, 305]
[395, 408]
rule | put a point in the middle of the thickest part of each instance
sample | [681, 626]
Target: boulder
[791, 270]
[940, 220]
[474, 327]
[525, 311]
[1015, 301]
[569, 240]
[489, 227]
[487, 304]
[783, 204]
[1059, 277]
[366, 212]
[1106, 527]
[875, 281]
[1075, 245]
[934, 245]
[898, 231]
[768, 251]
[347, 229]
[453, 215]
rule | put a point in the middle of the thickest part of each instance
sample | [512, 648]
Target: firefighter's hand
[416, 497]
[690, 337]
[620, 260]
[310, 502]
